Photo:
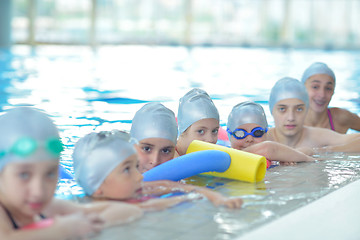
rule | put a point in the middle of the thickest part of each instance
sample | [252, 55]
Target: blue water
[86, 90]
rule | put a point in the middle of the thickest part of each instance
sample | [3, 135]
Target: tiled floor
[285, 189]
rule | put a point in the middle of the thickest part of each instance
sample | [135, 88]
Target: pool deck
[335, 216]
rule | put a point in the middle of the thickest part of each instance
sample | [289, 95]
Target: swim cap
[288, 88]
[97, 154]
[246, 112]
[194, 106]
[28, 135]
[154, 120]
[317, 68]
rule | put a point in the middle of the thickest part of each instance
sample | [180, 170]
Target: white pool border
[334, 216]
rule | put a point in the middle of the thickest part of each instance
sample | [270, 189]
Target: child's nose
[37, 189]
[139, 176]
[210, 138]
[249, 138]
[155, 159]
[291, 115]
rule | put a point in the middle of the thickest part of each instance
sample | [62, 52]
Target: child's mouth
[36, 205]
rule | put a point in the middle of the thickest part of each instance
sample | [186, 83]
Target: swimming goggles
[240, 133]
[26, 146]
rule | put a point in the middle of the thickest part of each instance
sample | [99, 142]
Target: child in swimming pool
[247, 130]
[155, 127]
[319, 81]
[198, 119]
[105, 166]
[288, 104]
[29, 157]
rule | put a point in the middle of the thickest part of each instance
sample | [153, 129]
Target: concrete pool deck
[334, 216]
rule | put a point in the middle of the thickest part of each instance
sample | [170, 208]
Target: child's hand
[219, 200]
[227, 202]
[288, 163]
[232, 202]
[79, 225]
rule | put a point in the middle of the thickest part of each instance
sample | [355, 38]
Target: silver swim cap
[194, 106]
[28, 135]
[154, 120]
[246, 112]
[288, 88]
[317, 68]
[97, 154]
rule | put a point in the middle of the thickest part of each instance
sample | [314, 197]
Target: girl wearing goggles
[247, 129]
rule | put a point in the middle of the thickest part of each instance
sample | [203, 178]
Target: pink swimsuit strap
[330, 120]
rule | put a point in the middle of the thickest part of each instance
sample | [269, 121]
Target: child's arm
[166, 186]
[274, 151]
[158, 204]
[72, 226]
[113, 213]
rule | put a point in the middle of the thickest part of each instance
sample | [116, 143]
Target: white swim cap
[154, 120]
[194, 106]
[246, 112]
[317, 68]
[97, 154]
[28, 135]
[287, 88]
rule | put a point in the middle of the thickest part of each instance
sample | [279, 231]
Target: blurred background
[326, 24]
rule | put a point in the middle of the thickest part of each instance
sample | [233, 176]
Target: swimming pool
[88, 90]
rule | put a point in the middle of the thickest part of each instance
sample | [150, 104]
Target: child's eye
[201, 132]
[329, 89]
[127, 169]
[52, 174]
[281, 109]
[215, 131]
[146, 149]
[300, 109]
[315, 87]
[137, 166]
[166, 150]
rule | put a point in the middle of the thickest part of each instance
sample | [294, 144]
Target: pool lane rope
[211, 159]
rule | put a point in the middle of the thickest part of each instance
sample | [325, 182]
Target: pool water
[86, 90]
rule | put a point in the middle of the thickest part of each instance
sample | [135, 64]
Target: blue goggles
[240, 133]
[26, 146]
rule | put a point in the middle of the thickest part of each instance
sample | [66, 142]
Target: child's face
[204, 130]
[320, 88]
[153, 152]
[124, 182]
[248, 140]
[289, 116]
[26, 188]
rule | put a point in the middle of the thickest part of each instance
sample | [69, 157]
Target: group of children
[109, 165]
